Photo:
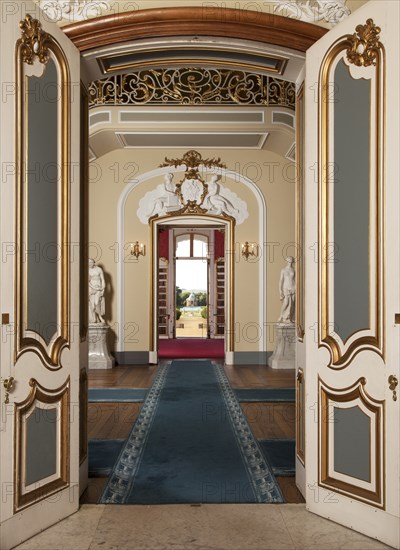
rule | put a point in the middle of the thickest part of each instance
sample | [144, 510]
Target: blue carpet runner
[102, 456]
[191, 444]
[117, 395]
[281, 455]
[266, 395]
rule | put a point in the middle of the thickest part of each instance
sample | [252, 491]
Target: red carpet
[194, 348]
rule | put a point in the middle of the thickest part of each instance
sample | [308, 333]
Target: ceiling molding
[193, 21]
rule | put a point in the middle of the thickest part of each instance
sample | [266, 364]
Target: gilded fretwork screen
[192, 86]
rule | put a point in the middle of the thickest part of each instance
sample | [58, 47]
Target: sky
[191, 274]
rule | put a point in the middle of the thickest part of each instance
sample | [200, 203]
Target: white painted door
[352, 291]
[41, 331]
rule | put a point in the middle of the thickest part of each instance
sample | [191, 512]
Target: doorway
[191, 290]
[191, 297]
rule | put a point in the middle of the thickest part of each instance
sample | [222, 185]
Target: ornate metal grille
[192, 86]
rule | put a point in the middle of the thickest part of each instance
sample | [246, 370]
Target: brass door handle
[8, 384]
[393, 383]
[299, 376]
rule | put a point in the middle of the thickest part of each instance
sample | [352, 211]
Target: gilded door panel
[42, 341]
[351, 113]
[43, 180]
[41, 444]
[352, 447]
[352, 267]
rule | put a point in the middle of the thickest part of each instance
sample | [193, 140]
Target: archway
[262, 264]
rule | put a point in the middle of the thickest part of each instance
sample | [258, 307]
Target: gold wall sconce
[138, 249]
[249, 249]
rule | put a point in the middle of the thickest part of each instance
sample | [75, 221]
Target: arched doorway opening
[232, 256]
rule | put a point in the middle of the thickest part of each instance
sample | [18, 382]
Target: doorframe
[194, 220]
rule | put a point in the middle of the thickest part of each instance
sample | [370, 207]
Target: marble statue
[159, 201]
[287, 292]
[215, 202]
[99, 355]
[96, 293]
[284, 355]
[166, 198]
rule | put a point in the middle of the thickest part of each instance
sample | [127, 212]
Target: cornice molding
[193, 21]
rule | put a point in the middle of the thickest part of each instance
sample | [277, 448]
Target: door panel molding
[300, 416]
[40, 397]
[368, 65]
[300, 208]
[28, 55]
[355, 395]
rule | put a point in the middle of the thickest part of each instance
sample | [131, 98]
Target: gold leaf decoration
[192, 86]
[33, 41]
[365, 45]
[192, 160]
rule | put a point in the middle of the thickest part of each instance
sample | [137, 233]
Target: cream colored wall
[273, 174]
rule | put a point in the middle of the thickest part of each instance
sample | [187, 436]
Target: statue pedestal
[284, 356]
[99, 356]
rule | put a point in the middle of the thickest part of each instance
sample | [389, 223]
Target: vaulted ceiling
[133, 64]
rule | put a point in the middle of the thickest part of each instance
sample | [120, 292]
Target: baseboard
[131, 357]
[251, 357]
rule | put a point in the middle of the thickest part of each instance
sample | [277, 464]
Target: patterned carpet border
[264, 483]
[121, 480]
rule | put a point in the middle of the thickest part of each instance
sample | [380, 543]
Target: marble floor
[204, 527]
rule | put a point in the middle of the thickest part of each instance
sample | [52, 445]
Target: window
[191, 246]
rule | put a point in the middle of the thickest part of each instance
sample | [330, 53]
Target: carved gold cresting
[193, 161]
[365, 45]
[33, 41]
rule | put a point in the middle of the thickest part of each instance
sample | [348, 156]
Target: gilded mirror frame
[361, 51]
[36, 46]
